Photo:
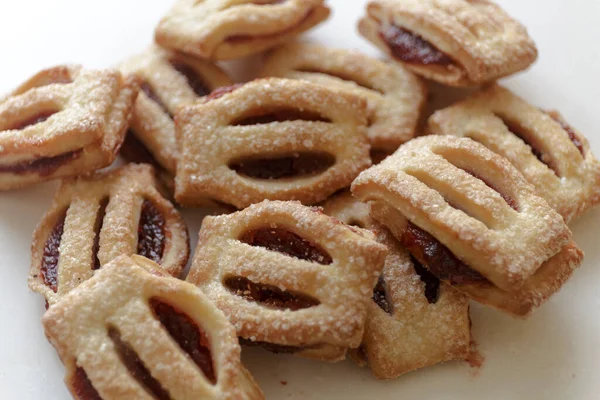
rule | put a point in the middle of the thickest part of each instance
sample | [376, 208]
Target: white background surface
[553, 355]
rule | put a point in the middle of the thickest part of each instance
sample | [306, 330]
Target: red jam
[151, 233]
[147, 89]
[49, 268]
[438, 258]
[222, 91]
[296, 165]
[380, 295]
[36, 119]
[44, 166]
[136, 367]
[286, 242]
[508, 199]
[188, 335]
[274, 348]
[570, 131]
[82, 387]
[432, 283]
[97, 228]
[268, 295]
[411, 48]
[192, 77]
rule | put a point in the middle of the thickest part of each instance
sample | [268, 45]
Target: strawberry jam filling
[151, 232]
[411, 48]
[197, 85]
[292, 166]
[136, 366]
[44, 166]
[570, 131]
[286, 242]
[432, 283]
[269, 295]
[222, 91]
[188, 335]
[380, 296]
[275, 348]
[36, 119]
[49, 267]
[149, 91]
[438, 258]
[82, 387]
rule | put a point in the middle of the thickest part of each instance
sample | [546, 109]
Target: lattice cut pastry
[552, 155]
[64, 121]
[454, 42]
[413, 320]
[169, 81]
[131, 332]
[473, 220]
[97, 218]
[229, 29]
[276, 139]
[289, 277]
[395, 96]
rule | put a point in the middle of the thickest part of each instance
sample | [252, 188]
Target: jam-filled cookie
[473, 220]
[394, 95]
[413, 320]
[225, 29]
[454, 42]
[96, 218]
[289, 278]
[551, 154]
[132, 332]
[169, 80]
[275, 139]
[64, 121]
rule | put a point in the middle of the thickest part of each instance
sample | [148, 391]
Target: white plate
[553, 355]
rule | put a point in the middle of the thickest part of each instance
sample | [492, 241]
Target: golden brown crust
[225, 30]
[150, 123]
[484, 42]
[211, 140]
[342, 287]
[571, 186]
[416, 333]
[87, 113]
[395, 97]
[511, 248]
[79, 201]
[117, 298]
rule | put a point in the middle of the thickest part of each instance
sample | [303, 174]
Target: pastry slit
[193, 78]
[82, 387]
[570, 131]
[258, 117]
[338, 74]
[458, 160]
[296, 165]
[269, 295]
[151, 232]
[51, 255]
[188, 335]
[34, 120]
[455, 198]
[283, 241]
[529, 139]
[149, 91]
[97, 228]
[381, 297]
[430, 281]
[136, 367]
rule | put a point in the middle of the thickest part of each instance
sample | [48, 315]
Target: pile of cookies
[341, 232]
